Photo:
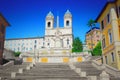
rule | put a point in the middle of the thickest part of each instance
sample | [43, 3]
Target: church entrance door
[58, 44]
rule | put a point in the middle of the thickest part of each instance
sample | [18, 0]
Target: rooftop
[93, 29]
[50, 14]
[24, 38]
[108, 2]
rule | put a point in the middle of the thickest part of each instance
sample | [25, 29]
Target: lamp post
[34, 52]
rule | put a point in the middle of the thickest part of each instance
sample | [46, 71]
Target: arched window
[49, 24]
[67, 23]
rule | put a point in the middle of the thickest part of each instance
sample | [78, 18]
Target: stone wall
[8, 54]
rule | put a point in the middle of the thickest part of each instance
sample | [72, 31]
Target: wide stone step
[5, 74]
[49, 75]
[79, 65]
[49, 78]
[52, 67]
[93, 73]
[113, 78]
[87, 66]
[13, 68]
[49, 66]
[41, 69]
[49, 70]
[89, 69]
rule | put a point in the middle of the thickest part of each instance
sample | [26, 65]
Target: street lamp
[34, 52]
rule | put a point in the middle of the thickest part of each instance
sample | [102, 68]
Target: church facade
[56, 38]
[59, 37]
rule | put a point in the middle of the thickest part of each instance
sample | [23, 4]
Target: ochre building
[92, 37]
[109, 20]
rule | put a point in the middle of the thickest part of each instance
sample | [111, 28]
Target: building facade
[3, 25]
[24, 44]
[56, 38]
[92, 37]
[109, 20]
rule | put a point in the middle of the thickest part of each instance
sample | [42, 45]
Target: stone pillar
[114, 23]
[115, 30]
[72, 66]
[83, 74]
[28, 68]
[78, 70]
[31, 65]
[20, 70]
[92, 77]
[104, 76]
[13, 74]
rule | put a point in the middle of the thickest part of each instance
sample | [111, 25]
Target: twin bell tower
[50, 20]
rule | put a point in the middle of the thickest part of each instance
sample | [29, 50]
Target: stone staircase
[5, 73]
[91, 70]
[50, 71]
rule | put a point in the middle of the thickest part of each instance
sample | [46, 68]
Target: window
[110, 36]
[14, 49]
[119, 11]
[93, 44]
[67, 41]
[30, 48]
[103, 42]
[18, 48]
[67, 23]
[89, 44]
[49, 24]
[102, 25]
[106, 59]
[112, 55]
[35, 41]
[96, 32]
[108, 18]
[34, 46]
[97, 36]
[48, 44]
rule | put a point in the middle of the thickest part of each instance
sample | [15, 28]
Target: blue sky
[27, 17]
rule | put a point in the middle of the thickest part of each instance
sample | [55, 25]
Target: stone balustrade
[107, 68]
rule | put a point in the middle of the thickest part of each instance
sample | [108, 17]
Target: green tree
[16, 54]
[97, 51]
[77, 45]
[91, 24]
